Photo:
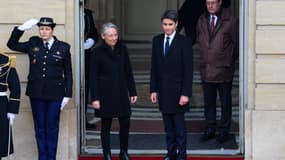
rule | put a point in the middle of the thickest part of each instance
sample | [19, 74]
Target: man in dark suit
[49, 84]
[217, 37]
[171, 82]
[90, 39]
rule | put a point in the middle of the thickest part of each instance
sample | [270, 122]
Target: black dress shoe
[207, 136]
[124, 155]
[107, 156]
[222, 137]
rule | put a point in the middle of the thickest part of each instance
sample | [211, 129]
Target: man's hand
[153, 97]
[183, 100]
[64, 102]
[96, 104]
[28, 25]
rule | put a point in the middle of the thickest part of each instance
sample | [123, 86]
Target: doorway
[146, 121]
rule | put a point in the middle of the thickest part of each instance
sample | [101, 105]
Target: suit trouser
[210, 94]
[124, 123]
[46, 115]
[176, 137]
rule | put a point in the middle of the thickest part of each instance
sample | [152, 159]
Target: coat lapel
[161, 44]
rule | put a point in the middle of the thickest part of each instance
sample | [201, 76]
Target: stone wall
[264, 127]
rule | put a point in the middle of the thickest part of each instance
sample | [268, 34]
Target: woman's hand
[96, 104]
[134, 99]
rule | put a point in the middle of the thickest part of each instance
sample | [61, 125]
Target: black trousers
[124, 123]
[210, 95]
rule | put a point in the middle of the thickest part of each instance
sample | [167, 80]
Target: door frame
[79, 85]
[243, 79]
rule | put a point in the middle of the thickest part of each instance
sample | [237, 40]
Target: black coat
[111, 80]
[50, 74]
[171, 75]
[9, 81]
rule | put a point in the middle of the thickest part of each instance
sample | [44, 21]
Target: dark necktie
[46, 46]
[212, 25]
[166, 47]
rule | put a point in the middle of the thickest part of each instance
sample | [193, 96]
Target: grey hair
[107, 26]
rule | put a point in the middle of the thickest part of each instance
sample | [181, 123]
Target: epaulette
[12, 60]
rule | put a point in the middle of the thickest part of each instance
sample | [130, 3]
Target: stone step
[153, 113]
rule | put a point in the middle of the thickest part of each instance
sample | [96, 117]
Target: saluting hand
[183, 100]
[96, 104]
[28, 25]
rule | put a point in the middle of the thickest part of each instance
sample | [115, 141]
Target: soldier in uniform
[9, 107]
[49, 81]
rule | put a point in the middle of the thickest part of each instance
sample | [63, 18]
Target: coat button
[44, 75]
[44, 69]
[44, 63]
[45, 56]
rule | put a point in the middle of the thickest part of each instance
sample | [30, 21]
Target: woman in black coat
[112, 84]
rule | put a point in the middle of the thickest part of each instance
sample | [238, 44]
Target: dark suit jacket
[50, 75]
[171, 75]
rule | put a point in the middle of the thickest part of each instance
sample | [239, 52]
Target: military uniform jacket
[8, 81]
[50, 73]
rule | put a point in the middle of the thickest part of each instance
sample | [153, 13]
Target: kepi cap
[46, 21]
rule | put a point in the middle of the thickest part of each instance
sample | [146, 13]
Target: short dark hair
[170, 14]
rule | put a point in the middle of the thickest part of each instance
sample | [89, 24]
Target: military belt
[3, 93]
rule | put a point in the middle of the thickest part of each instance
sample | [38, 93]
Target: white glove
[89, 43]
[28, 25]
[64, 102]
[11, 117]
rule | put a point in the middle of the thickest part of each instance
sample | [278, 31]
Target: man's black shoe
[222, 138]
[207, 136]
